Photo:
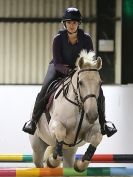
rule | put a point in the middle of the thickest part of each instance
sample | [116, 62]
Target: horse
[74, 118]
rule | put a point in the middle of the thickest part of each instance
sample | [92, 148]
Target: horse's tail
[47, 153]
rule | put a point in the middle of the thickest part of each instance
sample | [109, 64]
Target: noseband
[87, 96]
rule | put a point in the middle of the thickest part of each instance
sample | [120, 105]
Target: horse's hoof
[53, 163]
[76, 166]
[49, 164]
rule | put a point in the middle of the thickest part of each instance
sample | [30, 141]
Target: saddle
[51, 92]
[54, 86]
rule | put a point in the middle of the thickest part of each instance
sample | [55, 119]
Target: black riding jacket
[65, 53]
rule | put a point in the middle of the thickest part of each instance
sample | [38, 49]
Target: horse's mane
[88, 59]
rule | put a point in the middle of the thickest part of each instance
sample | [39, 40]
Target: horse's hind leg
[39, 148]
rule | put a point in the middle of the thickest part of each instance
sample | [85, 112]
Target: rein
[79, 104]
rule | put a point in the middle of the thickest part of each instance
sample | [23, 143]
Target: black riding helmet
[72, 13]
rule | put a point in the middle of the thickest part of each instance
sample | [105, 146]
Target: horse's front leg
[55, 159]
[81, 164]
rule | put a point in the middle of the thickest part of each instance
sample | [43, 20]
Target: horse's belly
[43, 131]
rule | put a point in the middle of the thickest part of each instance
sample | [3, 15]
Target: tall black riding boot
[41, 100]
[105, 129]
[30, 126]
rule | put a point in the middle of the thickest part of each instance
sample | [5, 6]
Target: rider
[67, 45]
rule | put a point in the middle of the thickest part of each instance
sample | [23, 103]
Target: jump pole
[92, 171]
[97, 158]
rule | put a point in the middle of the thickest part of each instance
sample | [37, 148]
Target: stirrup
[29, 127]
[109, 131]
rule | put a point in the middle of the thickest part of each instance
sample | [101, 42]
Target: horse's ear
[99, 63]
[80, 62]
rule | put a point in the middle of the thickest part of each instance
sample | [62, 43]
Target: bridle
[78, 103]
[87, 96]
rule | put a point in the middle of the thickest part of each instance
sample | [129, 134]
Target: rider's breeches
[41, 101]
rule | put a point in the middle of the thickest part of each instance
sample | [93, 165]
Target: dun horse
[74, 118]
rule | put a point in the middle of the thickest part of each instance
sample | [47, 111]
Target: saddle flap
[51, 91]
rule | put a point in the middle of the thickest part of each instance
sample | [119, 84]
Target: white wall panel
[42, 8]
[13, 55]
[1, 52]
[7, 51]
[25, 51]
